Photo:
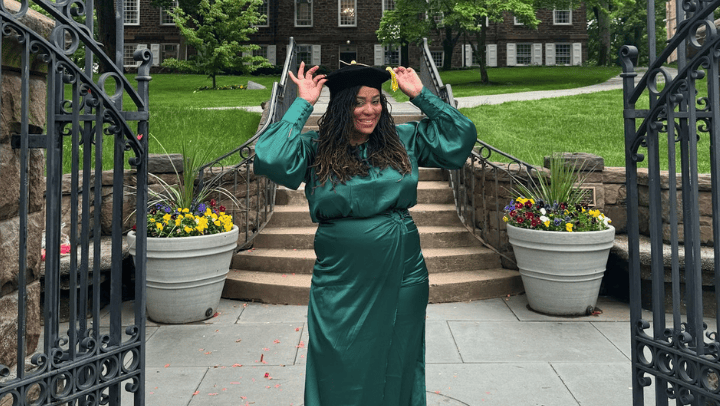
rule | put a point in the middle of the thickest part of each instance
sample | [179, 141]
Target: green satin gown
[366, 315]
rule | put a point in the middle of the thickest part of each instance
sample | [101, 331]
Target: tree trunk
[484, 79]
[404, 54]
[106, 31]
[213, 79]
[448, 46]
[603, 21]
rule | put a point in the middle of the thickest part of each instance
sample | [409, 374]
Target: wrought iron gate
[681, 124]
[87, 359]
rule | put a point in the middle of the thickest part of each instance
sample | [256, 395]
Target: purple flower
[557, 222]
[201, 208]
[167, 209]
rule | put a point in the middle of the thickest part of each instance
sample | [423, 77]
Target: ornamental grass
[555, 202]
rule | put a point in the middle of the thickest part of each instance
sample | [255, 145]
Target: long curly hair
[337, 160]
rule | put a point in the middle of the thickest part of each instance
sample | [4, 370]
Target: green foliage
[627, 25]
[561, 185]
[217, 34]
[405, 24]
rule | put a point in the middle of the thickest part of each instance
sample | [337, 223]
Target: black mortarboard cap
[356, 75]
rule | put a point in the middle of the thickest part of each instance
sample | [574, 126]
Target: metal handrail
[463, 181]
[253, 220]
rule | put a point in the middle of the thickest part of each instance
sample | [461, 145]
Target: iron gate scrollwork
[683, 123]
[88, 359]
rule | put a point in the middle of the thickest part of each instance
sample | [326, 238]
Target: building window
[264, 9]
[388, 5]
[562, 17]
[165, 18]
[132, 12]
[563, 54]
[347, 17]
[303, 13]
[261, 52]
[168, 51]
[437, 57]
[523, 55]
[304, 53]
[128, 51]
[516, 22]
[439, 19]
[392, 55]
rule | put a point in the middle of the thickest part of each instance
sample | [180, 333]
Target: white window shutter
[272, 54]
[316, 56]
[491, 54]
[468, 55]
[511, 54]
[246, 54]
[379, 55]
[577, 53]
[549, 54]
[537, 54]
[140, 46]
[155, 49]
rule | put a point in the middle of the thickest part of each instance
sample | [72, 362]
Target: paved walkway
[487, 352]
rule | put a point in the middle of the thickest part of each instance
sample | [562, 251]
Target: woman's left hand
[408, 81]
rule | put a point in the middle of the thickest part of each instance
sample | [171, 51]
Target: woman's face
[368, 108]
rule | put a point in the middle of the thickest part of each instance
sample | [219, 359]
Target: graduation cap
[355, 74]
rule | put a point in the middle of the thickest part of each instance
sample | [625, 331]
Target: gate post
[12, 231]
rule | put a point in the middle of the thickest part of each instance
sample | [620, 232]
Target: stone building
[328, 31]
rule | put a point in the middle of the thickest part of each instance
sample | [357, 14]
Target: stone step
[301, 261]
[430, 192]
[303, 237]
[312, 123]
[423, 214]
[447, 287]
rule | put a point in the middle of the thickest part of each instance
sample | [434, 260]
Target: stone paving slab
[612, 310]
[532, 342]
[612, 380]
[249, 386]
[168, 386]
[506, 384]
[301, 356]
[264, 313]
[479, 310]
[197, 346]
[440, 345]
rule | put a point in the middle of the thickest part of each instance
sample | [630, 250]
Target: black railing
[495, 180]
[256, 196]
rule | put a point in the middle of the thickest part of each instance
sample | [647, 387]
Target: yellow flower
[217, 223]
[159, 226]
[186, 210]
[547, 223]
[188, 229]
[595, 213]
[167, 217]
[214, 216]
[190, 216]
[521, 200]
[228, 227]
[177, 222]
[152, 220]
[505, 219]
[569, 227]
[208, 211]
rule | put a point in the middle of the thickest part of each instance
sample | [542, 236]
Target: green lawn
[531, 130]
[466, 82]
[179, 114]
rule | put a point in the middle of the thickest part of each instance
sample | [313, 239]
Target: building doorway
[347, 54]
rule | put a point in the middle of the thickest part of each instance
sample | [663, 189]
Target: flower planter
[561, 271]
[185, 275]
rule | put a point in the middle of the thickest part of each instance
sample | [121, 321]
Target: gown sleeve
[282, 153]
[445, 138]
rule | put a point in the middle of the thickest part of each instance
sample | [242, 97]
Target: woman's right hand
[309, 87]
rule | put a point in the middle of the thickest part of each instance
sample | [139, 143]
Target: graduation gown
[366, 314]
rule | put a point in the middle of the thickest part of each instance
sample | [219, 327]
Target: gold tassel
[394, 84]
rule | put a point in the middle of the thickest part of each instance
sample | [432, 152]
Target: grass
[466, 82]
[531, 130]
[178, 115]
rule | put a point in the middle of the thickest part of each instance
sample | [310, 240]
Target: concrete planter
[561, 271]
[185, 276]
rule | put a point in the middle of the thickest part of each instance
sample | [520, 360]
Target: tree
[614, 23]
[471, 16]
[217, 34]
[404, 25]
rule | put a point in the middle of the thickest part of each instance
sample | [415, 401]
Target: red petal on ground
[197, 392]
[167, 365]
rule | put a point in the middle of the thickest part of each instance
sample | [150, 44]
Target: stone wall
[10, 118]
[610, 194]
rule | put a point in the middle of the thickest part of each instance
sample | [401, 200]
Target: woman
[366, 315]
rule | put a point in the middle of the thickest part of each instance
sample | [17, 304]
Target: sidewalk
[488, 352]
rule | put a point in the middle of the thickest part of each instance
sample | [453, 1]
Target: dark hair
[337, 160]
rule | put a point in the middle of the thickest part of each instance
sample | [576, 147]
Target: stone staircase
[278, 269]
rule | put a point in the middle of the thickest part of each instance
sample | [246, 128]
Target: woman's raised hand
[408, 81]
[309, 87]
